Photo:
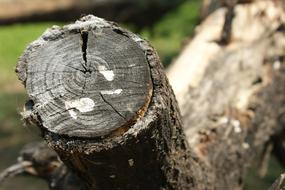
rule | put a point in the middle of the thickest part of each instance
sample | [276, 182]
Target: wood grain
[87, 82]
[150, 153]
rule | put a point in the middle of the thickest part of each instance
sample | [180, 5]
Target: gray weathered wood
[210, 6]
[232, 101]
[149, 153]
[232, 96]
[86, 82]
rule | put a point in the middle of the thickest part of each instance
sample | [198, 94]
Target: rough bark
[279, 183]
[210, 6]
[37, 160]
[141, 144]
[231, 98]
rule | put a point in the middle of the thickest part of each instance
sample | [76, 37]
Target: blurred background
[167, 24]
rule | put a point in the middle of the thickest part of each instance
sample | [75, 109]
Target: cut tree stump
[103, 103]
[231, 98]
[88, 83]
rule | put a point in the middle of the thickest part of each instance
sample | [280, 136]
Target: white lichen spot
[131, 162]
[82, 105]
[245, 145]
[276, 65]
[231, 122]
[108, 74]
[110, 92]
[73, 114]
[236, 125]
[224, 120]
[52, 184]
[241, 102]
[112, 176]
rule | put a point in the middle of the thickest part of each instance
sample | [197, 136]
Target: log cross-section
[103, 103]
[88, 83]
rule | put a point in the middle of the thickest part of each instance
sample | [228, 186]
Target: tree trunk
[232, 97]
[104, 105]
[210, 6]
[114, 135]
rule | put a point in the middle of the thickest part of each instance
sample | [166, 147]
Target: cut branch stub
[86, 81]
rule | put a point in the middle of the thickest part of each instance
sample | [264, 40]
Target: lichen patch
[108, 74]
[111, 92]
[82, 105]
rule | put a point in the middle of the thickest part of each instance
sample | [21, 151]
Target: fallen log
[232, 97]
[210, 6]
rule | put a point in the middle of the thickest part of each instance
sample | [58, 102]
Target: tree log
[231, 98]
[209, 6]
[104, 105]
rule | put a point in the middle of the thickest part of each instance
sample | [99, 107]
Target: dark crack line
[112, 107]
[118, 31]
[61, 112]
[227, 27]
[84, 38]
[75, 68]
[84, 86]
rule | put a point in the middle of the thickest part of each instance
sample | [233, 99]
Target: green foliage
[13, 135]
[253, 181]
[13, 40]
[169, 33]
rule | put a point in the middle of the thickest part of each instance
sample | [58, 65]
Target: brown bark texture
[235, 96]
[150, 152]
[231, 97]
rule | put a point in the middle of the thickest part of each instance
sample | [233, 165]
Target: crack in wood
[112, 106]
[84, 38]
[227, 28]
[118, 31]
[61, 112]
[73, 68]
[84, 86]
[81, 64]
